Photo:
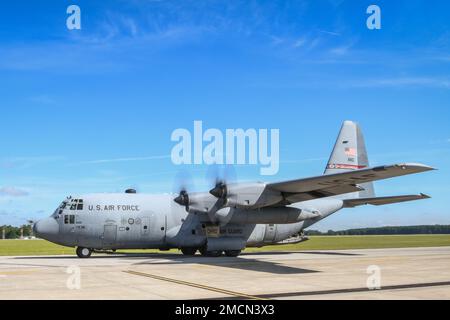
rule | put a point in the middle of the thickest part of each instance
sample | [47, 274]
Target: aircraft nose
[46, 228]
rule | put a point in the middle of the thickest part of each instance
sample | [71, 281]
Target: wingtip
[422, 166]
[425, 196]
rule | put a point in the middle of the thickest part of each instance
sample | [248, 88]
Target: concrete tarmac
[414, 273]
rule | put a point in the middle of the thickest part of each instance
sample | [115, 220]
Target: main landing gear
[233, 253]
[189, 251]
[214, 254]
[84, 252]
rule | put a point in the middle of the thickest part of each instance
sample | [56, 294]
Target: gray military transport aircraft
[228, 218]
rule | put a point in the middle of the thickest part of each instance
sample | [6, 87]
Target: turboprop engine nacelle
[246, 196]
[281, 215]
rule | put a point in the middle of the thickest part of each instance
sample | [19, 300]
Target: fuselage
[139, 221]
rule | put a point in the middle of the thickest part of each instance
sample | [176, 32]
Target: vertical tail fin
[349, 154]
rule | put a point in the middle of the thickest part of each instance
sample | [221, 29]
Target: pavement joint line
[354, 290]
[196, 285]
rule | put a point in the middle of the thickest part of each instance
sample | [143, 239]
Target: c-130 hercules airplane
[230, 217]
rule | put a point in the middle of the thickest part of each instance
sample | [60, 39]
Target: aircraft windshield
[63, 205]
[68, 204]
[76, 204]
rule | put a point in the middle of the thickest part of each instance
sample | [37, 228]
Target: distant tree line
[14, 232]
[404, 230]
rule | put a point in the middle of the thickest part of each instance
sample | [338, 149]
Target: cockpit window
[69, 219]
[76, 204]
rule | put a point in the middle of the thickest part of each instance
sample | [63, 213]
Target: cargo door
[109, 236]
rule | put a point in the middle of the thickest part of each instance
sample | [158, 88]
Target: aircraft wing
[341, 183]
[379, 201]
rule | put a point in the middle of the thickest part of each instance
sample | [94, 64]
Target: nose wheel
[84, 252]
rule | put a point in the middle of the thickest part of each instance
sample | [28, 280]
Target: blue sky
[92, 110]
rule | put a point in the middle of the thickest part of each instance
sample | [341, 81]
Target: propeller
[183, 182]
[220, 191]
[222, 176]
[183, 199]
[215, 175]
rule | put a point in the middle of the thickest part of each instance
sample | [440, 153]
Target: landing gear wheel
[189, 251]
[84, 252]
[203, 251]
[233, 253]
[213, 254]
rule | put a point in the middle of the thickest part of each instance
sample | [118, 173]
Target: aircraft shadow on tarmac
[247, 264]
[302, 252]
[226, 262]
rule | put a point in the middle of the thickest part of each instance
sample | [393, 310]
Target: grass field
[42, 247]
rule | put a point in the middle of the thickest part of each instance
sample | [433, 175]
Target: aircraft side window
[72, 219]
[66, 219]
[80, 204]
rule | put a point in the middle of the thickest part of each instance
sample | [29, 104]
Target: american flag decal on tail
[351, 152]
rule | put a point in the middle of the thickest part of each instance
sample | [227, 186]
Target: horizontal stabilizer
[379, 201]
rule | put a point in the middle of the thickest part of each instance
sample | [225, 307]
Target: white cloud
[305, 160]
[405, 82]
[13, 192]
[314, 43]
[43, 99]
[300, 43]
[340, 50]
[27, 162]
[330, 32]
[121, 160]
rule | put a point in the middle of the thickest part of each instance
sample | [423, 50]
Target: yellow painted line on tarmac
[196, 285]
[17, 273]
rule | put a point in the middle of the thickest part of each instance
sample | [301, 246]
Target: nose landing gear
[83, 252]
